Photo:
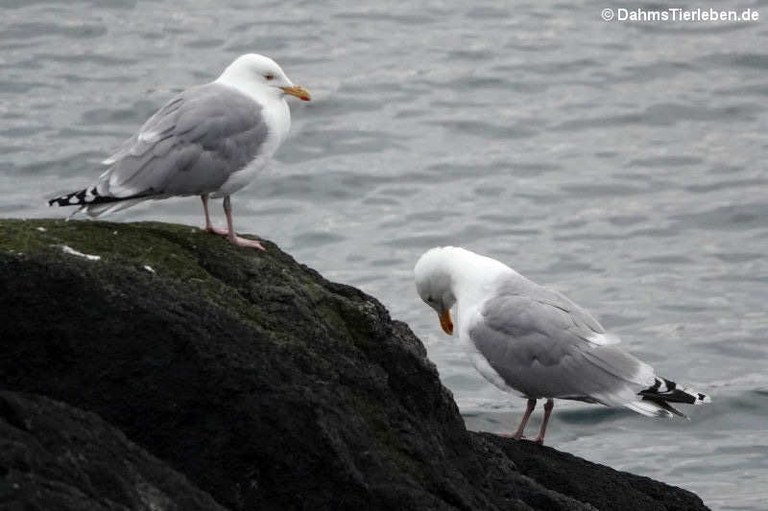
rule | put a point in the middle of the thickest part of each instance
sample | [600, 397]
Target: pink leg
[233, 237]
[208, 225]
[527, 415]
[548, 406]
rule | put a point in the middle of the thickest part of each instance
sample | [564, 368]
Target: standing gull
[533, 341]
[210, 141]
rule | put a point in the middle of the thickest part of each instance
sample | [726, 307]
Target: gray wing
[190, 146]
[543, 345]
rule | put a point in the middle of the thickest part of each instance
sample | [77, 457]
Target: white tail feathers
[648, 408]
[107, 208]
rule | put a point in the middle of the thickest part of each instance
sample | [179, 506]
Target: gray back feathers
[190, 146]
[544, 345]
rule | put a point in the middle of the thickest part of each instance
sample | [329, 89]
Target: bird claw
[235, 239]
[537, 440]
[243, 242]
[216, 230]
[513, 436]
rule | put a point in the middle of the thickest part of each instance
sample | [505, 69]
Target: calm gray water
[622, 163]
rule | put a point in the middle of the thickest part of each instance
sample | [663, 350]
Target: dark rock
[55, 457]
[265, 384]
[590, 483]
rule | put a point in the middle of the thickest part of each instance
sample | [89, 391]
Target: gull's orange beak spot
[299, 92]
[445, 321]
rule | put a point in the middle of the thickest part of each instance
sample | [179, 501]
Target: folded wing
[191, 146]
[543, 345]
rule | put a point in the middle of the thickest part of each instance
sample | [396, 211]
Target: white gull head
[445, 274]
[433, 278]
[260, 78]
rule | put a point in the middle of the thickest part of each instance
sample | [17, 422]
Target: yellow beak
[299, 92]
[445, 321]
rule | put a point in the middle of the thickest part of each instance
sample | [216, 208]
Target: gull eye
[269, 76]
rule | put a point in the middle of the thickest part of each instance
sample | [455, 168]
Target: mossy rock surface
[266, 385]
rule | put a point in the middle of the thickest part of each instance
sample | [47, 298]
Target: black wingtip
[84, 197]
[78, 198]
[90, 196]
[667, 391]
[58, 201]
